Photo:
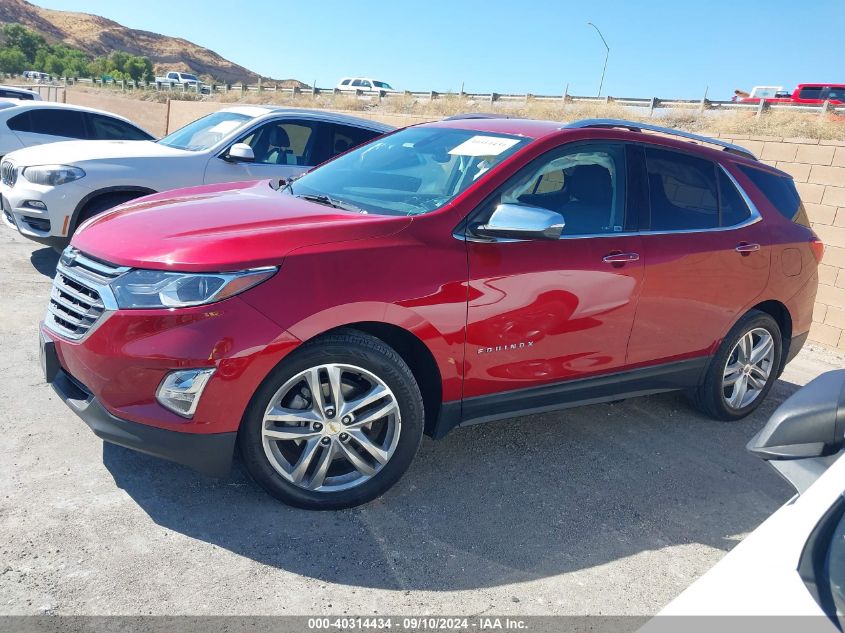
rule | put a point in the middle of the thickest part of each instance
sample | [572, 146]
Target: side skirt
[644, 381]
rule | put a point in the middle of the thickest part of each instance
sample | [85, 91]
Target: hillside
[97, 37]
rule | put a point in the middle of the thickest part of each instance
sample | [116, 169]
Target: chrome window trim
[755, 217]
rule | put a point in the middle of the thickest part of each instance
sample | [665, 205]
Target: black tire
[344, 347]
[709, 397]
[103, 203]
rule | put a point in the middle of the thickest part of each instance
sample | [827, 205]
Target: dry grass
[776, 123]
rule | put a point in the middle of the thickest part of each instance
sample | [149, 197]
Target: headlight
[159, 289]
[52, 175]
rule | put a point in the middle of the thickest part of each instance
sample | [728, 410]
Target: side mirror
[521, 222]
[240, 153]
[807, 432]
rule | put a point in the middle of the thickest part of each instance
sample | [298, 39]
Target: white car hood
[75, 152]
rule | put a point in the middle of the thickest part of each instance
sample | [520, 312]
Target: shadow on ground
[44, 260]
[498, 503]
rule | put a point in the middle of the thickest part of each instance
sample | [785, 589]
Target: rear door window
[781, 192]
[682, 190]
[336, 139]
[9, 94]
[104, 128]
[58, 122]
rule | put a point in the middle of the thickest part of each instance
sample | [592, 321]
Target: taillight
[817, 246]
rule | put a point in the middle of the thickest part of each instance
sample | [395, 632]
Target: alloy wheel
[331, 427]
[748, 368]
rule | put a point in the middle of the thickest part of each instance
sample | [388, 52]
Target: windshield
[382, 85]
[411, 172]
[205, 132]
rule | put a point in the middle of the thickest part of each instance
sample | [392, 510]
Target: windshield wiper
[330, 202]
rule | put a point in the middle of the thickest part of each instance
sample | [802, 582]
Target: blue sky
[658, 47]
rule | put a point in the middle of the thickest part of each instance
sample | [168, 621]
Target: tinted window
[20, 123]
[731, 205]
[780, 192]
[8, 94]
[357, 82]
[585, 184]
[811, 92]
[836, 93]
[105, 128]
[337, 139]
[58, 122]
[682, 190]
[345, 82]
[281, 143]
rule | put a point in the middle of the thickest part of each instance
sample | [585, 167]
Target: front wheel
[335, 425]
[742, 372]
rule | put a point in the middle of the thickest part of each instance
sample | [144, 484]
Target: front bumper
[207, 453]
[48, 226]
[124, 357]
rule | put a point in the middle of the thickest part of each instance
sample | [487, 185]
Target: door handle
[620, 258]
[745, 248]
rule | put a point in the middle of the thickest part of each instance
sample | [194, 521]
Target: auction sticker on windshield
[484, 146]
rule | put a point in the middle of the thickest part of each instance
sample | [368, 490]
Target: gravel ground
[607, 509]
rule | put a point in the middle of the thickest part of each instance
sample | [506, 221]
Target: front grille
[8, 173]
[80, 293]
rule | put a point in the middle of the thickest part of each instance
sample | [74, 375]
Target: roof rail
[479, 115]
[635, 126]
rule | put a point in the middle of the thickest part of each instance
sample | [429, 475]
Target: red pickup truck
[806, 94]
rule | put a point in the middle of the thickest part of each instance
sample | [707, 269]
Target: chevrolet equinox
[443, 275]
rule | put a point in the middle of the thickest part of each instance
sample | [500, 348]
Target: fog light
[35, 204]
[180, 391]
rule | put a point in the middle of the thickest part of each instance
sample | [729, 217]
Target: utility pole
[606, 55]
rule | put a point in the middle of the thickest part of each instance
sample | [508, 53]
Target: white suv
[48, 191]
[364, 83]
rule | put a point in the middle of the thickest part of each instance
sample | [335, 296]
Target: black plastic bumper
[795, 346]
[207, 453]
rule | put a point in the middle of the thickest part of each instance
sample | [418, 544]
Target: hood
[76, 152]
[231, 226]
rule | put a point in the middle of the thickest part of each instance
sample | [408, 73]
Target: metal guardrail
[650, 103]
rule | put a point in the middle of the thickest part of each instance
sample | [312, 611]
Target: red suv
[446, 274]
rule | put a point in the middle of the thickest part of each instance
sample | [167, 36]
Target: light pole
[606, 55]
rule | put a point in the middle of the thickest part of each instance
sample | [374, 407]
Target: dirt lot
[609, 509]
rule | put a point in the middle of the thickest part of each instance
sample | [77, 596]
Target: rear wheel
[742, 372]
[336, 425]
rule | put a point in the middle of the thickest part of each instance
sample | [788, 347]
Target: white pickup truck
[174, 78]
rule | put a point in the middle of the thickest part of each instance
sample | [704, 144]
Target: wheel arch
[100, 193]
[415, 353]
[780, 313]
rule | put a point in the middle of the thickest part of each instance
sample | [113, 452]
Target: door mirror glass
[240, 153]
[521, 222]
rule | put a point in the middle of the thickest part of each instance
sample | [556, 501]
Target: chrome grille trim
[8, 173]
[80, 299]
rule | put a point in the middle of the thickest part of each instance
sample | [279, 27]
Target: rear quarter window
[781, 192]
